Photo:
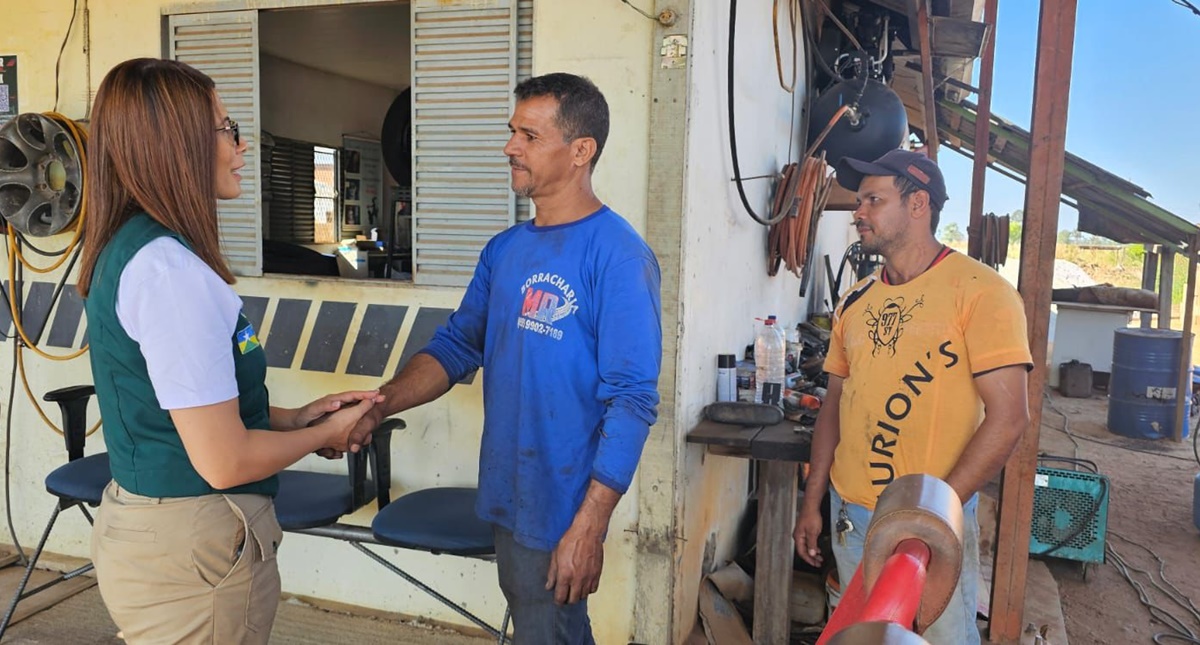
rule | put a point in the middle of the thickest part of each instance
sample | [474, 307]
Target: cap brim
[850, 172]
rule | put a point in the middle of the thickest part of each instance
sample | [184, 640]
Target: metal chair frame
[72, 402]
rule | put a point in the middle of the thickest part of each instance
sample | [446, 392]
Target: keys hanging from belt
[843, 525]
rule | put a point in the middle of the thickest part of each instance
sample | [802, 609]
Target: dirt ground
[1150, 506]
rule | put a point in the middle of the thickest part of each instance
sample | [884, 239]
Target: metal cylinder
[1142, 388]
[877, 633]
[925, 508]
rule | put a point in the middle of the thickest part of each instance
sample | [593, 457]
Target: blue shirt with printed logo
[566, 323]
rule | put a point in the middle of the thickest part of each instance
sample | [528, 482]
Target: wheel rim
[41, 175]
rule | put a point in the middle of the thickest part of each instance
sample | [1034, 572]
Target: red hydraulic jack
[911, 561]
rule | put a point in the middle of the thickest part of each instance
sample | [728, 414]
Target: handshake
[346, 419]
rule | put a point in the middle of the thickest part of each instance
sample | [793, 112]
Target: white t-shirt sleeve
[183, 316]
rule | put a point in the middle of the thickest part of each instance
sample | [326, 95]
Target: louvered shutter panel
[292, 191]
[524, 71]
[224, 45]
[464, 69]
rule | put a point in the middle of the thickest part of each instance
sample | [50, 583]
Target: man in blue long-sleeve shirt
[563, 315]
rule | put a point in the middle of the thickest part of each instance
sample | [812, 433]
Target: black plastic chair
[309, 500]
[434, 520]
[79, 482]
[438, 521]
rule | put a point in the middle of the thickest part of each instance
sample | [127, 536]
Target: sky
[1133, 108]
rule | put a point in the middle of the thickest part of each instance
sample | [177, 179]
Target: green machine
[1070, 513]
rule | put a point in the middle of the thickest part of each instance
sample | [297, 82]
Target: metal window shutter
[291, 190]
[524, 71]
[464, 69]
[224, 45]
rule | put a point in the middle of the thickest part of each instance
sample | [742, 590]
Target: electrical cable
[1187, 5]
[1049, 400]
[1182, 632]
[850, 36]
[16, 285]
[12, 390]
[802, 197]
[15, 296]
[1083, 524]
[635, 8]
[63, 48]
[1117, 445]
[80, 140]
[737, 171]
[46, 254]
[1086, 463]
[793, 9]
[816, 52]
[833, 121]
[70, 253]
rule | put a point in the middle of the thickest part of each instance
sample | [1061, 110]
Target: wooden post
[659, 615]
[931, 133]
[776, 519]
[1183, 391]
[1048, 134]
[1149, 269]
[1166, 284]
[983, 116]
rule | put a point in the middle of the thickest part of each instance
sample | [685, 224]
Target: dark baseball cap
[913, 166]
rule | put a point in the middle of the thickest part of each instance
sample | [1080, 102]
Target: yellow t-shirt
[909, 354]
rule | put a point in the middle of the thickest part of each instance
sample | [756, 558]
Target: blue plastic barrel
[1142, 388]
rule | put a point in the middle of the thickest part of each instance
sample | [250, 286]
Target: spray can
[727, 388]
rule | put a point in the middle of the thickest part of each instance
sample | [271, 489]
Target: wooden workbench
[780, 449]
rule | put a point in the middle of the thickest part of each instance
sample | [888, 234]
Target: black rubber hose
[737, 171]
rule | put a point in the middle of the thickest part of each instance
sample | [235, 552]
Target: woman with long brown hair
[185, 539]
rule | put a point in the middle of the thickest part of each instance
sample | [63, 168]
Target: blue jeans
[536, 619]
[956, 625]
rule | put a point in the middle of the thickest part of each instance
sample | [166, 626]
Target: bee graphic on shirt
[887, 326]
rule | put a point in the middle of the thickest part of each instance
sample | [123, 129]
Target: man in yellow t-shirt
[927, 374]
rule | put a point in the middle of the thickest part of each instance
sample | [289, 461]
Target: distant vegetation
[1104, 260]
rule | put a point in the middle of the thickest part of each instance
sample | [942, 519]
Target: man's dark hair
[582, 110]
[906, 188]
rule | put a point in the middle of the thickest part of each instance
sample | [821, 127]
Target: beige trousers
[188, 569]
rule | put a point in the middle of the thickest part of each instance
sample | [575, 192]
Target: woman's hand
[328, 404]
[338, 426]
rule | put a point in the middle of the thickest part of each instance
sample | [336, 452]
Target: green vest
[145, 451]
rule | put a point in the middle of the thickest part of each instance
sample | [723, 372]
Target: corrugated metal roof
[1108, 205]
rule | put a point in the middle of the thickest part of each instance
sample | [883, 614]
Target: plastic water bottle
[769, 360]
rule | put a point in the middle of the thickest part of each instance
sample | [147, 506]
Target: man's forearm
[421, 381]
[985, 454]
[596, 510]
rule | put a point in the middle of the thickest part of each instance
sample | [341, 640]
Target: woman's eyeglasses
[232, 127]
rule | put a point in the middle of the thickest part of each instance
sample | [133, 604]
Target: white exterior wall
[440, 446]
[303, 103]
[723, 278]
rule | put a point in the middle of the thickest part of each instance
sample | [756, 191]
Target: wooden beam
[1056, 42]
[949, 80]
[1149, 267]
[956, 37]
[773, 584]
[660, 474]
[1183, 390]
[1166, 285]
[929, 105]
[983, 117]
